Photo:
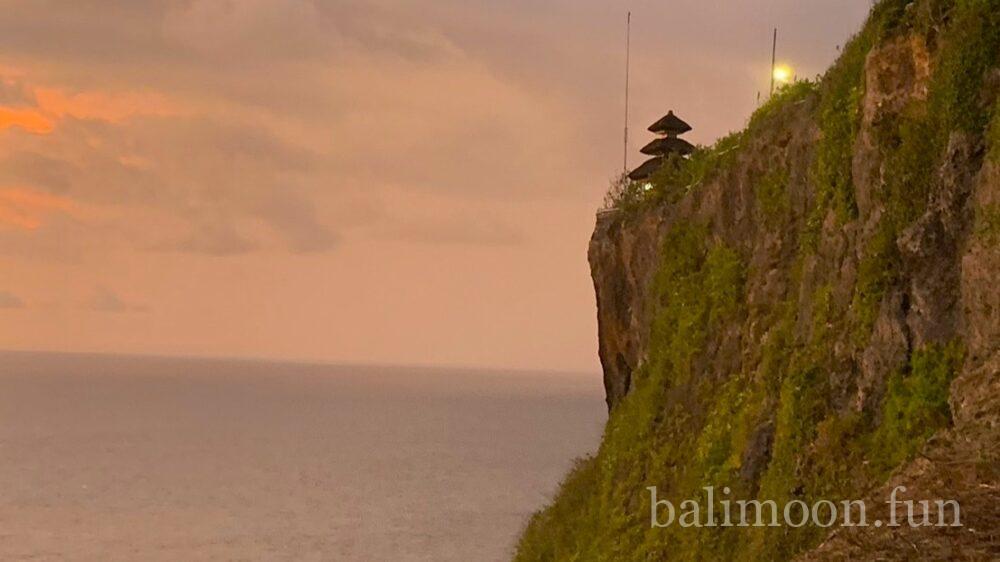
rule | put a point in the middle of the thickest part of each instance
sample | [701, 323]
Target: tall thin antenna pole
[628, 62]
[774, 59]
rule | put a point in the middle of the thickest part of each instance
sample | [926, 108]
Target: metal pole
[628, 62]
[774, 60]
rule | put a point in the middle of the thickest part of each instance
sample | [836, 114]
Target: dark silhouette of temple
[669, 128]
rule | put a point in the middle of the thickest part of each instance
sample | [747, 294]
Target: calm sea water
[154, 459]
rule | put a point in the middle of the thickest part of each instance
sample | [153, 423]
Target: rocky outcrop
[623, 262]
[957, 268]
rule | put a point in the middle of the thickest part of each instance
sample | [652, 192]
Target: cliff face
[809, 310]
[626, 248]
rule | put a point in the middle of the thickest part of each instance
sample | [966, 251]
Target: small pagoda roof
[648, 168]
[668, 145]
[670, 125]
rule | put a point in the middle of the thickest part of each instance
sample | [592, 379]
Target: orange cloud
[29, 120]
[26, 209]
[53, 104]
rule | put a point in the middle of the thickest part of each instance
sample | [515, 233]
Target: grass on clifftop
[679, 176]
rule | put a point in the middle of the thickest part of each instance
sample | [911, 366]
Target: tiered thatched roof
[668, 145]
[669, 127]
[648, 168]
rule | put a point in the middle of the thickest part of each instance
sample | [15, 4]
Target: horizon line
[306, 362]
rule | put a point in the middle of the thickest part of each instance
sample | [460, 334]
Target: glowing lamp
[783, 74]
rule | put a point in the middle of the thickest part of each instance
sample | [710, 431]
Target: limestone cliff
[810, 310]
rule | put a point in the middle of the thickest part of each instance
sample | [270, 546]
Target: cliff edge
[809, 310]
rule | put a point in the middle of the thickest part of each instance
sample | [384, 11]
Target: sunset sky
[380, 181]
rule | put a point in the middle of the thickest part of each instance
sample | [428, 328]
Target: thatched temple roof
[648, 168]
[670, 125]
[668, 145]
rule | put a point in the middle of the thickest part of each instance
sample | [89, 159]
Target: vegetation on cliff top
[779, 427]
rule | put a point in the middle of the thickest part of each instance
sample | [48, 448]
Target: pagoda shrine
[669, 129]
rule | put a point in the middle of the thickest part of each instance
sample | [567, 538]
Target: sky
[371, 181]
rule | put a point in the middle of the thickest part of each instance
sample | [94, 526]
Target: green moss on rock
[988, 224]
[915, 406]
[993, 136]
[878, 270]
[772, 196]
[914, 142]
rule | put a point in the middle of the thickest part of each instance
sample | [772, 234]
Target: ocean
[125, 458]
